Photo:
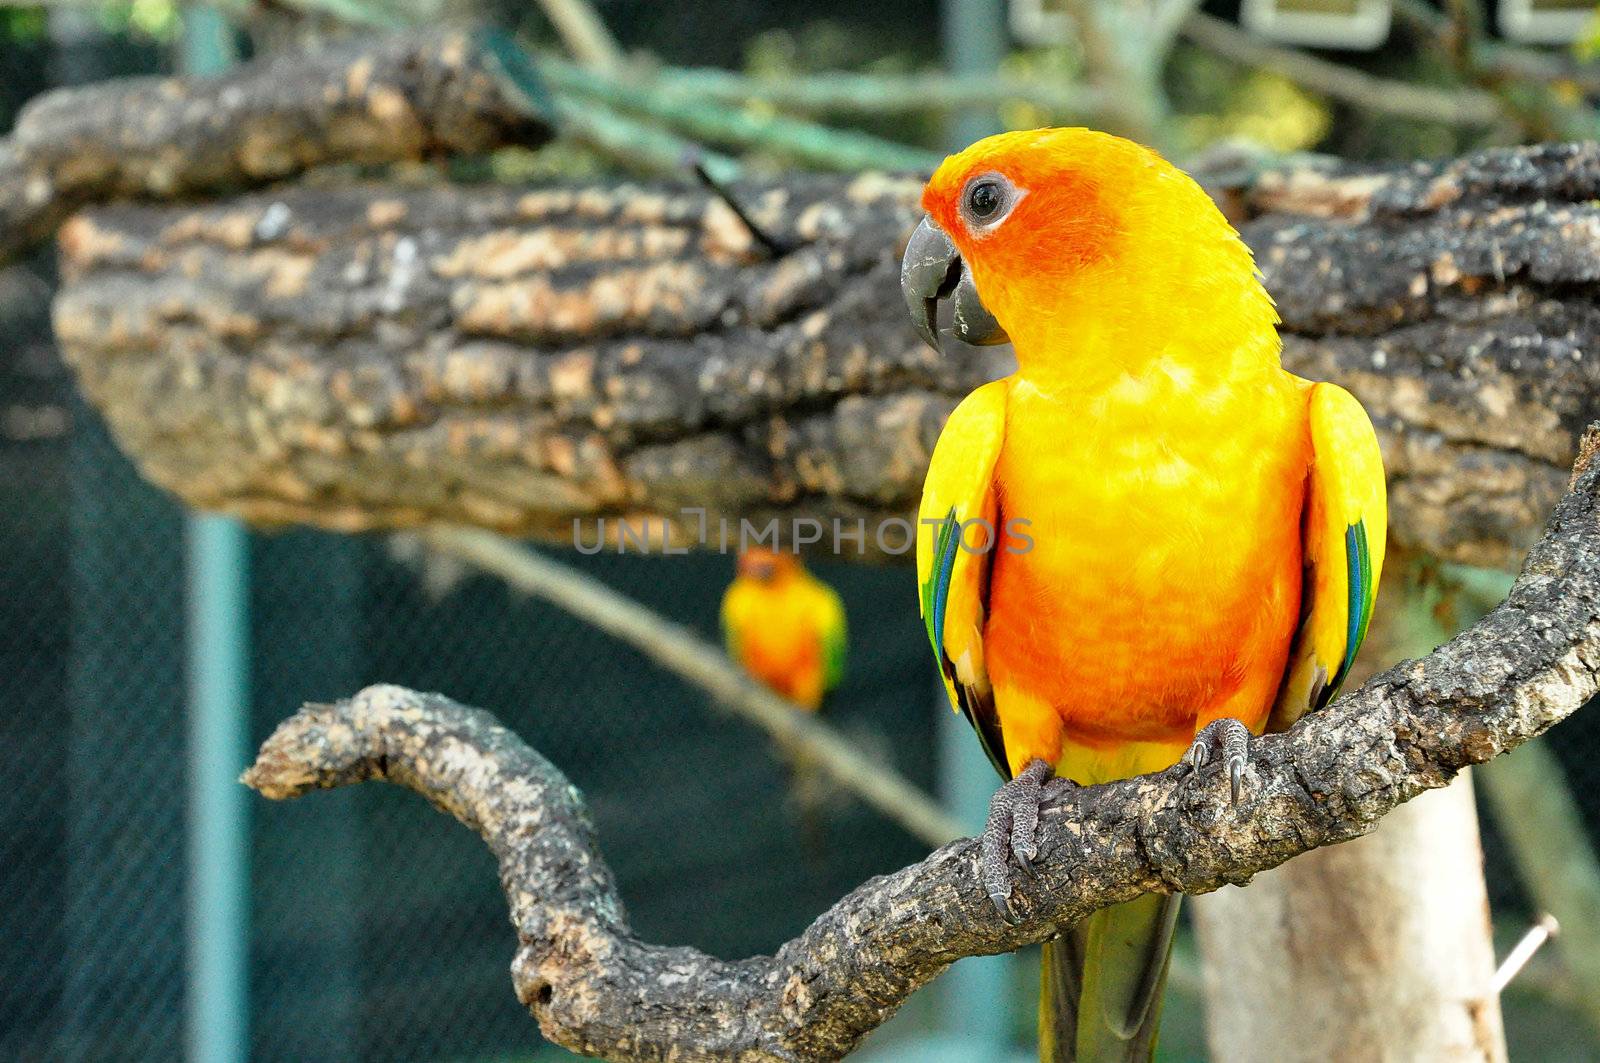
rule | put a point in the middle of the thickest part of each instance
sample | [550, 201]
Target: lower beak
[932, 271]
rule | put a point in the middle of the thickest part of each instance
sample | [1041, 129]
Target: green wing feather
[1344, 529]
[731, 622]
[835, 638]
[953, 582]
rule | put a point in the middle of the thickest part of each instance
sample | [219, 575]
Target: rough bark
[597, 989]
[397, 99]
[513, 358]
[1383, 944]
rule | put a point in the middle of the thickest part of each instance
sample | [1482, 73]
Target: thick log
[517, 358]
[596, 988]
[396, 99]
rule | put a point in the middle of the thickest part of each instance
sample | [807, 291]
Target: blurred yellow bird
[785, 627]
[1204, 531]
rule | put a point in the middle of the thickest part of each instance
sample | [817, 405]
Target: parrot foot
[1226, 739]
[1012, 829]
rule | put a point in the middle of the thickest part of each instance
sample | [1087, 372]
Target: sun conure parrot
[1204, 530]
[787, 629]
[784, 626]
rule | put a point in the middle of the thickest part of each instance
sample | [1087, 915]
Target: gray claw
[1232, 739]
[992, 863]
[1024, 831]
[1011, 830]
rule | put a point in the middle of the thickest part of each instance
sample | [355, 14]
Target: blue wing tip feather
[945, 562]
[1358, 563]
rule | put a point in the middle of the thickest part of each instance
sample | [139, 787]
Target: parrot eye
[984, 199]
[987, 200]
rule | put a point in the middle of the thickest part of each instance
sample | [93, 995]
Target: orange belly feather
[1163, 587]
[785, 655]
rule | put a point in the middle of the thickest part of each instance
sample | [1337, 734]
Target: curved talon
[992, 863]
[1232, 739]
[1024, 828]
[1011, 830]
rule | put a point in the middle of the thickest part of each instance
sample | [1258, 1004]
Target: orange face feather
[1108, 251]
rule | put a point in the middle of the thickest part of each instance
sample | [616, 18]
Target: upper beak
[932, 270]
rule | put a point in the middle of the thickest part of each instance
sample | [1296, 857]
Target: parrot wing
[735, 610]
[954, 578]
[1343, 528]
[835, 636]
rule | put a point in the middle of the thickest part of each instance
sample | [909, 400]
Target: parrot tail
[1100, 997]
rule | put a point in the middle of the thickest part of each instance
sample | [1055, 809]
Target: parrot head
[1075, 243]
[766, 566]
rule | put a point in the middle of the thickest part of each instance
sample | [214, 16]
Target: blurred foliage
[828, 45]
[816, 46]
[23, 25]
[1587, 46]
[1211, 98]
[562, 160]
[157, 20]
[1218, 101]
[718, 33]
[1063, 64]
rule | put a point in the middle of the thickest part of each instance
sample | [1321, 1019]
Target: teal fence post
[218, 994]
[218, 819]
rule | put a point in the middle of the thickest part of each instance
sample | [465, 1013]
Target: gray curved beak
[932, 271]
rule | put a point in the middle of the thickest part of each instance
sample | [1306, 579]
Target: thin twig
[1543, 929]
[635, 145]
[584, 33]
[696, 161]
[1530, 800]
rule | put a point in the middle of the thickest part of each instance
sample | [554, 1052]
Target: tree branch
[596, 989]
[380, 357]
[400, 98]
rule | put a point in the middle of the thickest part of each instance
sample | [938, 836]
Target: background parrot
[1204, 530]
[787, 629]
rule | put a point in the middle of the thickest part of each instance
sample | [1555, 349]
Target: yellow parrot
[1150, 541]
[786, 628]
